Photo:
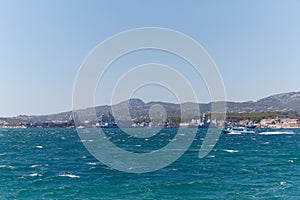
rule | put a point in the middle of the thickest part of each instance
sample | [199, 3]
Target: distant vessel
[205, 123]
[238, 130]
[250, 125]
[107, 121]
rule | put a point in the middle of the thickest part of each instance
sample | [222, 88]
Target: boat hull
[238, 131]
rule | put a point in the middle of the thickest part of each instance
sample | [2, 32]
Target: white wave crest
[277, 133]
[234, 133]
[34, 166]
[231, 151]
[7, 167]
[91, 163]
[69, 175]
[34, 175]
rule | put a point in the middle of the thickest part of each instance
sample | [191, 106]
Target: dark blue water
[54, 164]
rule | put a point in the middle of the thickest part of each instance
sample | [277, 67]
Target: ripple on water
[7, 167]
[91, 163]
[34, 175]
[231, 151]
[69, 175]
[34, 166]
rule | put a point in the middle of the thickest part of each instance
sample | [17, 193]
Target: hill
[285, 102]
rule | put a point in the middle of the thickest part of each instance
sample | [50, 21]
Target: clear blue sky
[255, 44]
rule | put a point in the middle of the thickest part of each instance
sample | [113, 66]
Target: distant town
[276, 111]
[107, 120]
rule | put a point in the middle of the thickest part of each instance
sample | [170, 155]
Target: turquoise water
[54, 164]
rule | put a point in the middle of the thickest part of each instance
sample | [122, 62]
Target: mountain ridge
[283, 102]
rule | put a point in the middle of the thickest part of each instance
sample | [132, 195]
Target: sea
[54, 164]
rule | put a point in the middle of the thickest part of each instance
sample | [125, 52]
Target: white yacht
[238, 130]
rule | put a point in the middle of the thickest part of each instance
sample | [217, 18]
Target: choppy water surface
[54, 164]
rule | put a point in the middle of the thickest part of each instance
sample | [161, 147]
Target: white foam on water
[39, 147]
[92, 168]
[69, 175]
[86, 140]
[91, 163]
[7, 167]
[34, 175]
[234, 133]
[34, 166]
[277, 133]
[282, 183]
[231, 151]
[244, 170]
[266, 143]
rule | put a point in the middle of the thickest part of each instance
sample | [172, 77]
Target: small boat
[238, 130]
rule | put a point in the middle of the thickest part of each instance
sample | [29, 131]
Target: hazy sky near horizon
[255, 44]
